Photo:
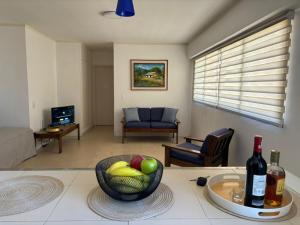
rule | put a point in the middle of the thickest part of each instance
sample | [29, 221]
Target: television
[62, 115]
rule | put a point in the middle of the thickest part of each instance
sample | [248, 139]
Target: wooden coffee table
[63, 130]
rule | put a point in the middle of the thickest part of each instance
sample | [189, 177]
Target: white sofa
[16, 145]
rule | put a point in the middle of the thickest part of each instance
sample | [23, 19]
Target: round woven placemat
[25, 193]
[160, 201]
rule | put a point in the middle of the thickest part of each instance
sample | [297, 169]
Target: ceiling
[156, 21]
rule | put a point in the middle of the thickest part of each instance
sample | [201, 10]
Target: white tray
[221, 195]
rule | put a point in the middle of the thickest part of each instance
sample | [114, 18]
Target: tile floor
[98, 143]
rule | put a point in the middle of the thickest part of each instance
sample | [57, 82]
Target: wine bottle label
[280, 187]
[259, 185]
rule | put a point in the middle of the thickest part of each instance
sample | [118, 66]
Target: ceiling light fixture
[125, 8]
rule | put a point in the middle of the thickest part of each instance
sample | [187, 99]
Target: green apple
[149, 165]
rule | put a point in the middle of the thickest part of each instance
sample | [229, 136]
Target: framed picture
[149, 74]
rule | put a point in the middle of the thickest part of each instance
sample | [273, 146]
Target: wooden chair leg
[177, 137]
[167, 157]
[123, 135]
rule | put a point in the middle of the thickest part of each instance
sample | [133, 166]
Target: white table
[190, 207]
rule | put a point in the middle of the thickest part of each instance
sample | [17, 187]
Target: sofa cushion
[144, 114]
[156, 114]
[135, 124]
[169, 115]
[185, 156]
[131, 114]
[214, 133]
[163, 125]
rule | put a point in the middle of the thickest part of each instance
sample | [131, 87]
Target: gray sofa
[151, 120]
[16, 145]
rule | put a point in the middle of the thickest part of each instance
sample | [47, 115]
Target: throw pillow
[131, 114]
[169, 115]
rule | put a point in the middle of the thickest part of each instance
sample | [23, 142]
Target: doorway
[103, 95]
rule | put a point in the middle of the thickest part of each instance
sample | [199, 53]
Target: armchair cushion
[163, 125]
[131, 114]
[185, 156]
[144, 114]
[137, 124]
[169, 115]
[156, 114]
[215, 133]
[190, 146]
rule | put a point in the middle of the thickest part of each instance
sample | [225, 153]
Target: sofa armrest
[192, 151]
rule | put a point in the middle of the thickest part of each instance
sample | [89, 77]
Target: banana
[144, 178]
[145, 185]
[125, 172]
[125, 189]
[127, 181]
[116, 165]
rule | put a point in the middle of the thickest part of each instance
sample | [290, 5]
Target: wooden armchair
[212, 152]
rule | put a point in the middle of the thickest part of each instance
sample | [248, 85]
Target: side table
[63, 130]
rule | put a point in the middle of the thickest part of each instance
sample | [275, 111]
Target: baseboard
[293, 181]
[86, 129]
[73, 134]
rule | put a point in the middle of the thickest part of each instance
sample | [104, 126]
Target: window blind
[248, 76]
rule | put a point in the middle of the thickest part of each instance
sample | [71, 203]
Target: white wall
[241, 15]
[14, 111]
[86, 97]
[69, 80]
[73, 80]
[103, 90]
[179, 82]
[206, 119]
[100, 58]
[41, 73]
[36, 73]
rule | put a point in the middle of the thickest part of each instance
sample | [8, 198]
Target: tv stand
[63, 130]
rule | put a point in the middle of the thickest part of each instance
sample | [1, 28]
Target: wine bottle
[275, 181]
[256, 177]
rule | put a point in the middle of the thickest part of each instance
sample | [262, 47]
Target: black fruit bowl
[103, 179]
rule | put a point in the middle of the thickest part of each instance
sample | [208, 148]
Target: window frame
[285, 15]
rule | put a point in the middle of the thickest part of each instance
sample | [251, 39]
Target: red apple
[136, 162]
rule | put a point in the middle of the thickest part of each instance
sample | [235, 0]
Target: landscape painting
[149, 74]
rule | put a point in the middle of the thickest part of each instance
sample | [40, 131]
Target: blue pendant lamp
[125, 8]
